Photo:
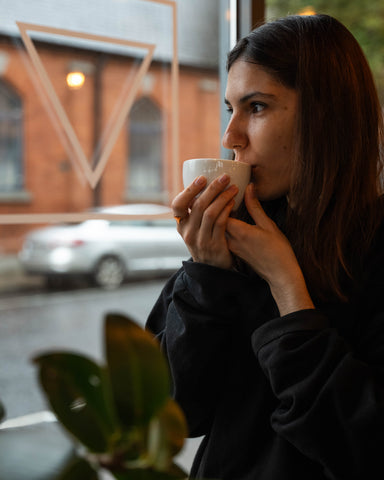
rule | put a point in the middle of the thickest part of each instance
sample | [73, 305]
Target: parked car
[106, 251]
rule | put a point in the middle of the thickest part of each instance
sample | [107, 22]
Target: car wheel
[109, 273]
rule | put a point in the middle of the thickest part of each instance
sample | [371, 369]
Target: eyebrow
[248, 96]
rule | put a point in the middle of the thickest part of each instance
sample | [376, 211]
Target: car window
[166, 222]
[129, 223]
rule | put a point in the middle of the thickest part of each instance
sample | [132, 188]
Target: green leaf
[167, 433]
[80, 395]
[77, 469]
[138, 371]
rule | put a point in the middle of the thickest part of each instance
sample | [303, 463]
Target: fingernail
[224, 178]
[199, 180]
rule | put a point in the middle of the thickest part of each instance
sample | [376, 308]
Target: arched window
[11, 117]
[144, 172]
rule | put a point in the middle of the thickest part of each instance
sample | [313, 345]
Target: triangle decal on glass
[91, 174]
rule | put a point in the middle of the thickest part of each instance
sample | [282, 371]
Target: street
[68, 319]
[34, 322]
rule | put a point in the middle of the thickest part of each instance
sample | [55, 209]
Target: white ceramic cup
[211, 168]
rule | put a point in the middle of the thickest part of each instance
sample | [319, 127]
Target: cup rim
[217, 159]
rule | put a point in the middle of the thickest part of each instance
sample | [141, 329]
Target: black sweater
[293, 397]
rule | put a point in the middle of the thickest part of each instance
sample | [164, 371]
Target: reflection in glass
[42, 183]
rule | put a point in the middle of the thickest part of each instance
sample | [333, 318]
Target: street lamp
[77, 71]
[75, 80]
[307, 11]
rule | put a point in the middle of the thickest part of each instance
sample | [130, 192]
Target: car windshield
[170, 223]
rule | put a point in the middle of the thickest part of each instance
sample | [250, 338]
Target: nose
[234, 137]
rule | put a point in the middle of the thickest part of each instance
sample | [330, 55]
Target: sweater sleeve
[195, 319]
[331, 395]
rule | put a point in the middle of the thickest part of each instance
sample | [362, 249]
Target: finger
[217, 186]
[209, 203]
[182, 202]
[237, 233]
[254, 207]
[233, 226]
[222, 220]
[213, 211]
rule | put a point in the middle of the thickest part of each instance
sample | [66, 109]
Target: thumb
[254, 207]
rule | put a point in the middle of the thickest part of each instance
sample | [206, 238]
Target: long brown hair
[335, 185]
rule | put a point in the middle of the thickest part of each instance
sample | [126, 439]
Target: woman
[274, 330]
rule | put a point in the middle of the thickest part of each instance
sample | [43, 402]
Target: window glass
[145, 169]
[363, 17]
[11, 118]
[100, 104]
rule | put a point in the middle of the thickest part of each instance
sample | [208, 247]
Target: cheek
[273, 140]
[273, 146]
[285, 141]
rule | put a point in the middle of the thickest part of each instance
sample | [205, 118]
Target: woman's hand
[202, 221]
[267, 250]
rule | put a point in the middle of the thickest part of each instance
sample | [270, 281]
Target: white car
[107, 251]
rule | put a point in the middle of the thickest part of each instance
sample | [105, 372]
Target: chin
[265, 194]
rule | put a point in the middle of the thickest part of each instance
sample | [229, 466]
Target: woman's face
[261, 128]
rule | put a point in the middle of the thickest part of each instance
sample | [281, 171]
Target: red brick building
[38, 173]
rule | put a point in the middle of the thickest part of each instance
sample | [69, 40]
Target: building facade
[38, 173]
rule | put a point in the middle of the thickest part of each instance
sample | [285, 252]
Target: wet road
[73, 319]
[36, 321]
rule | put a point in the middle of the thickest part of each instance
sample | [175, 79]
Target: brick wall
[51, 176]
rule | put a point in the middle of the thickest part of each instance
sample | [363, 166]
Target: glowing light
[307, 11]
[75, 80]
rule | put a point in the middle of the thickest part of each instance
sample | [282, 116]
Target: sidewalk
[12, 276]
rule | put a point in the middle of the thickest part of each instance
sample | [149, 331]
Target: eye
[229, 109]
[257, 107]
